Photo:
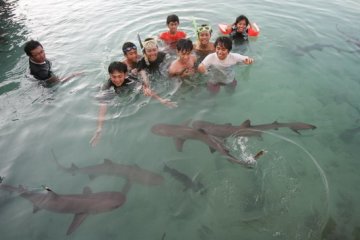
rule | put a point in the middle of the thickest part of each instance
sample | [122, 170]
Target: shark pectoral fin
[107, 161]
[212, 150]
[77, 220]
[36, 209]
[246, 124]
[179, 143]
[295, 130]
[87, 190]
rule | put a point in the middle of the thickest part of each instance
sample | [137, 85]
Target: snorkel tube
[195, 29]
[143, 49]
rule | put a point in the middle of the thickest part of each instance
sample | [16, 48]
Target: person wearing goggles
[131, 57]
[203, 46]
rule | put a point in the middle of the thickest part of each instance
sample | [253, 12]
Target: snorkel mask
[203, 28]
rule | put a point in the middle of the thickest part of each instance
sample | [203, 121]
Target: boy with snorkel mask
[203, 46]
[150, 64]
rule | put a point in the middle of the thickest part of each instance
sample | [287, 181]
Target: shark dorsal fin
[87, 190]
[107, 161]
[246, 124]
[74, 167]
[275, 123]
[202, 130]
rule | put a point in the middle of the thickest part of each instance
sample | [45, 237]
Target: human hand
[169, 103]
[147, 91]
[95, 139]
[248, 61]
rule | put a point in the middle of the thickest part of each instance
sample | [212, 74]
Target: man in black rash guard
[40, 67]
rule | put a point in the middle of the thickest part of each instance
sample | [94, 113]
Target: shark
[81, 205]
[133, 173]
[246, 129]
[181, 133]
[188, 183]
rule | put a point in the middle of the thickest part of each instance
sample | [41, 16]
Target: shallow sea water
[306, 69]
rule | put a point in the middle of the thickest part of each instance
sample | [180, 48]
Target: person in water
[150, 63]
[131, 57]
[203, 46]
[183, 66]
[221, 63]
[240, 29]
[40, 66]
[120, 83]
[173, 35]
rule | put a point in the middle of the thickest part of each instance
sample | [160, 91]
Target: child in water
[240, 28]
[183, 66]
[221, 62]
[119, 81]
[173, 35]
[131, 57]
[203, 46]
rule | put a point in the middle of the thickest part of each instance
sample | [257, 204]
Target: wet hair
[184, 45]
[172, 18]
[241, 17]
[224, 42]
[128, 46]
[31, 45]
[117, 66]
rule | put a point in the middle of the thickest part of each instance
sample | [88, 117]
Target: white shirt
[222, 70]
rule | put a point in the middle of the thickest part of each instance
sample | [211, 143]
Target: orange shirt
[167, 37]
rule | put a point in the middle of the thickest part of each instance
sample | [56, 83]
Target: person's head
[241, 23]
[184, 48]
[150, 49]
[117, 72]
[172, 21]
[130, 51]
[204, 33]
[35, 51]
[223, 46]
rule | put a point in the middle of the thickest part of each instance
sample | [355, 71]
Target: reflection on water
[305, 71]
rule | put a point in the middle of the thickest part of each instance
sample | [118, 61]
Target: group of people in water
[133, 70]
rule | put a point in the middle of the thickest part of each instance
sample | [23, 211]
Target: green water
[306, 69]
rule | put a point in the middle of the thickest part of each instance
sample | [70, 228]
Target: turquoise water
[306, 61]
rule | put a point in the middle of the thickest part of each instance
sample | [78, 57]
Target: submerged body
[133, 173]
[79, 204]
[185, 180]
[246, 129]
[180, 133]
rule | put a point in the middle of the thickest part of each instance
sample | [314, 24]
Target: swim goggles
[128, 49]
[206, 28]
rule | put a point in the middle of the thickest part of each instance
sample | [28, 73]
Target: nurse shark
[81, 205]
[246, 129]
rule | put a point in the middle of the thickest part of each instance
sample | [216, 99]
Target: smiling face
[173, 27]
[151, 53]
[241, 26]
[221, 51]
[117, 78]
[204, 37]
[132, 55]
[38, 55]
